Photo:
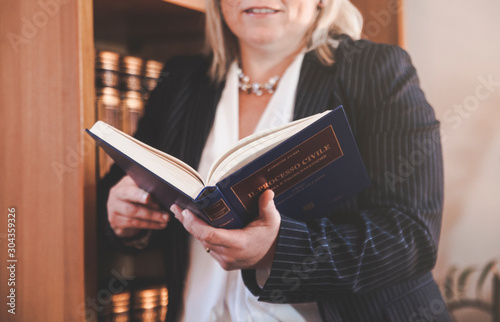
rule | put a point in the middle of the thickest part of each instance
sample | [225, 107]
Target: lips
[260, 11]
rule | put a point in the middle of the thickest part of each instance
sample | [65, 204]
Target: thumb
[267, 208]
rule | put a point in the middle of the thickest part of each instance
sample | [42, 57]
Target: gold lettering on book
[217, 210]
[308, 206]
[290, 168]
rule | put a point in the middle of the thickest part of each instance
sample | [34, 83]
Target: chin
[264, 38]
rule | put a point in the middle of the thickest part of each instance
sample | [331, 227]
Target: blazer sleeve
[390, 232]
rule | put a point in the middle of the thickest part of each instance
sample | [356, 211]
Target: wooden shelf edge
[198, 5]
[401, 27]
[87, 95]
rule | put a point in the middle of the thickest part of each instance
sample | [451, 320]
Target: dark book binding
[311, 172]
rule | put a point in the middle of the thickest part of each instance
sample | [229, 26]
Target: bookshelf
[152, 29]
[47, 163]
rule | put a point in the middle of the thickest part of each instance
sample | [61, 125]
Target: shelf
[198, 5]
[152, 29]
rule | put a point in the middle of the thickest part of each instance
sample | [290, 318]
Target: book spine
[107, 99]
[131, 86]
[216, 210]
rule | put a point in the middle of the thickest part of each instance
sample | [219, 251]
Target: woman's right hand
[131, 209]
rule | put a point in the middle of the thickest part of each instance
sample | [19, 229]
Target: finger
[200, 229]
[216, 249]
[224, 257]
[176, 210]
[125, 222]
[266, 201]
[140, 212]
[216, 255]
[146, 198]
[195, 226]
[267, 208]
[132, 193]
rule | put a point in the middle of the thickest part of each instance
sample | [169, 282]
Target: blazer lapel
[190, 119]
[201, 115]
[315, 90]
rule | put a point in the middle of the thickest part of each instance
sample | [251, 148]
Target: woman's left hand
[250, 247]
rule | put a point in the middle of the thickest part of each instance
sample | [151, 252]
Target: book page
[169, 168]
[253, 146]
[184, 177]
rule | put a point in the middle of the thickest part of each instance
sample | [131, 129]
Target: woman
[368, 260]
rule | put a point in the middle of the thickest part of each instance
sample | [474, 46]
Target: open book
[311, 164]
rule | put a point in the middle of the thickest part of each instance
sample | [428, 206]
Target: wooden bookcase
[149, 29]
[46, 99]
[47, 164]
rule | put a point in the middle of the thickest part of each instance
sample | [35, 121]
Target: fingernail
[164, 217]
[184, 213]
[145, 197]
[173, 209]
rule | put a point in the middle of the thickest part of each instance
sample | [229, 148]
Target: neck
[261, 64]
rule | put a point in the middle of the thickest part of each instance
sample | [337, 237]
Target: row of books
[145, 305]
[123, 85]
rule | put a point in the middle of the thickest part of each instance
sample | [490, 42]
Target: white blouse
[211, 293]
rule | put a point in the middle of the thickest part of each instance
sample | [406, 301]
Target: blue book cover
[310, 172]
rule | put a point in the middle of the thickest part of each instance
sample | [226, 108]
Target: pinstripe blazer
[367, 260]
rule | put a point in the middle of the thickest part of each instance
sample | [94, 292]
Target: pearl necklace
[246, 86]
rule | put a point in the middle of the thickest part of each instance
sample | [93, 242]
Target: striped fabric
[368, 260]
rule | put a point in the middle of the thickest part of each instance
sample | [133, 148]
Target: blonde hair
[334, 18]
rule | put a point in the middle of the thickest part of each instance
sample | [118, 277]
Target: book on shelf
[312, 165]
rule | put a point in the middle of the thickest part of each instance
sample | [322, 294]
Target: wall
[455, 47]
